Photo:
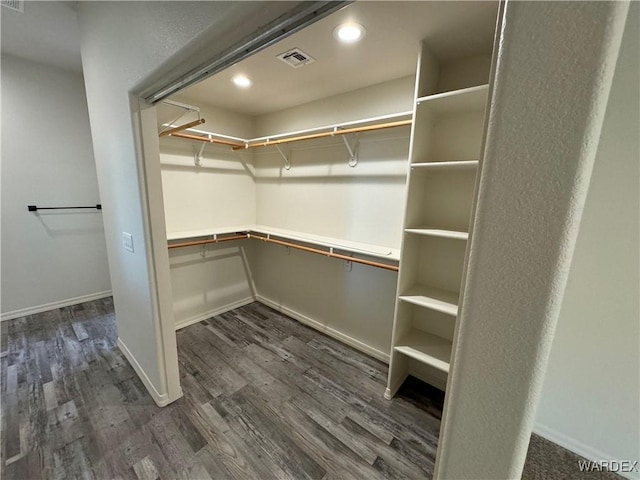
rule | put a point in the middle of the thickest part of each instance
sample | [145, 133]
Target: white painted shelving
[337, 244]
[445, 147]
[433, 298]
[439, 232]
[426, 348]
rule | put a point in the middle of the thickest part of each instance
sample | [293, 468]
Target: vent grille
[296, 58]
[17, 5]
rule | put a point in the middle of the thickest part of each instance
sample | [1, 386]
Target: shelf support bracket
[198, 156]
[353, 151]
[287, 162]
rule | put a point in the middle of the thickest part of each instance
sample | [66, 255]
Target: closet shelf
[335, 131]
[436, 232]
[427, 167]
[236, 143]
[432, 298]
[426, 348]
[339, 244]
[308, 238]
[207, 232]
[466, 99]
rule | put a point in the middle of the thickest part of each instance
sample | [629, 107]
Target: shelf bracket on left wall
[287, 161]
[198, 156]
[353, 151]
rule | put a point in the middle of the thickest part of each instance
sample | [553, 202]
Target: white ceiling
[388, 51]
[47, 32]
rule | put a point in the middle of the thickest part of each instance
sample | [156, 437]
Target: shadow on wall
[209, 280]
[61, 224]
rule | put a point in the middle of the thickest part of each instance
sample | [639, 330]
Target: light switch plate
[127, 241]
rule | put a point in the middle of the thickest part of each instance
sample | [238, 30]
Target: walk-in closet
[322, 240]
[333, 180]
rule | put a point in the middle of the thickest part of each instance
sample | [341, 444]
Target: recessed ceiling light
[241, 81]
[349, 32]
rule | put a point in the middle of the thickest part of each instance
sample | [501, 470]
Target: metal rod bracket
[353, 151]
[287, 162]
[198, 156]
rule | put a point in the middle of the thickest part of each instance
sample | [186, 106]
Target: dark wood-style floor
[264, 397]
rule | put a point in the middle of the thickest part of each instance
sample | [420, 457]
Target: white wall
[123, 44]
[385, 98]
[208, 281]
[322, 195]
[217, 192]
[47, 160]
[591, 397]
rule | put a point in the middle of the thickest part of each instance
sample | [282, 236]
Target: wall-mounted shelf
[339, 244]
[331, 131]
[310, 238]
[190, 234]
[328, 131]
[337, 248]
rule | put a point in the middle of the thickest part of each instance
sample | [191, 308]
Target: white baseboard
[161, 400]
[23, 312]
[332, 332]
[213, 313]
[580, 448]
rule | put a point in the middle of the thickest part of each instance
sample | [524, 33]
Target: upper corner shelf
[363, 125]
[369, 250]
[466, 99]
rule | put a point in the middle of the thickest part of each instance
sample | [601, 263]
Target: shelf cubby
[431, 263]
[426, 348]
[441, 200]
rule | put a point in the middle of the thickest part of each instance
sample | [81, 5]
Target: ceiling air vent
[296, 58]
[17, 5]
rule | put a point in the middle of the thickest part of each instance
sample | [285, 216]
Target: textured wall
[554, 68]
[589, 401]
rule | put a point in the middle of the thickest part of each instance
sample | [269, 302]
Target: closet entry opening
[331, 178]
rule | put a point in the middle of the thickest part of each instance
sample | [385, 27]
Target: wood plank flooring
[264, 397]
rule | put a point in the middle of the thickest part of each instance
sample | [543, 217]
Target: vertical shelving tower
[446, 139]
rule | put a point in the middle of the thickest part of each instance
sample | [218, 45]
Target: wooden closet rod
[209, 240]
[324, 252]
[209, 140]
[332, 133]
[174, 130]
